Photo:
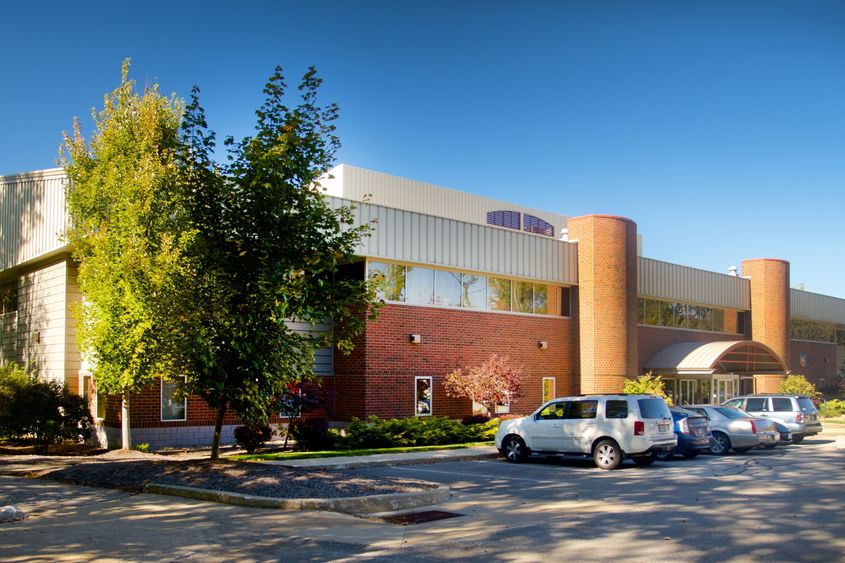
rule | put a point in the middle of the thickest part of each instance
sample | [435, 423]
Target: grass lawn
[839, 420]
[336, 453]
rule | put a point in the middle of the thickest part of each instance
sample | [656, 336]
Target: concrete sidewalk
[408, 458]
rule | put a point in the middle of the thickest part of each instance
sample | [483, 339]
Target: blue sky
[717, 126]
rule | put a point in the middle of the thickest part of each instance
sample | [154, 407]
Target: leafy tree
[128, 233]
[649, 384]
[268, 249]
[799, 385]
[494, 382]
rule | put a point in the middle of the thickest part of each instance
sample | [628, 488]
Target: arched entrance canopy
[708, 358]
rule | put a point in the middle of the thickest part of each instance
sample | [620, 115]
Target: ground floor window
[174, 402]
[548, 389]
[422, 395]
[505, 406]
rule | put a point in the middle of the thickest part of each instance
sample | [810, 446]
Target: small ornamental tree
[494, 382]
[648, 384]
[799, 385]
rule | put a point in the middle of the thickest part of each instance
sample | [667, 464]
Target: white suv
[608, 427]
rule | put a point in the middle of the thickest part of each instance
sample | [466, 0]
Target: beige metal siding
[664, 280]
[407, 236]
[32, 215]
[817, 307]
[42, 319]
[350, 182]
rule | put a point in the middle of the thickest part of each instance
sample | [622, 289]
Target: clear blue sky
[719, 127]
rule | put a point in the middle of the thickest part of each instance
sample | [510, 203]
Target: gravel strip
[132, 471]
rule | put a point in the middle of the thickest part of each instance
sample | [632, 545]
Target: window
[780, 404]
[473, 291]
[507, 219]
[616, 409]
[523, 297]
[447, 288]
[174, 402]
[756, 404]
[718, 320]
[565, 301]
[655, 312]
[498, 294]
[419, 285]
[505, 406]
[548, 388]
[818, 331]
[389, 280]
[9, 298]
[840, 336]
[654, 408]
[100, 403]
[740, 322]
[538, 226]
[554, 411]
[422, 395]
[582, 409]
[541, 299]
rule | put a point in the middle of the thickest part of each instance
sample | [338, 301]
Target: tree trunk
[125, 436]
[218, 430]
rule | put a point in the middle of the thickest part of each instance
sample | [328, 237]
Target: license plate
[663, 427]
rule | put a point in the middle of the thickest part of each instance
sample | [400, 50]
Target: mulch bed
[131, 471]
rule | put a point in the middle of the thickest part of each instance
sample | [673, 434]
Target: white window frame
[430, 393]
[504, 408]
[161, 403]
[543, 389]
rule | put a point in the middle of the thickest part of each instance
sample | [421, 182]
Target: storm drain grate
[420, 517]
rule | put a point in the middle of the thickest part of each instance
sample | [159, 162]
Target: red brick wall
[821, 362]
[769, 303]
[607, 287]
[450, 339]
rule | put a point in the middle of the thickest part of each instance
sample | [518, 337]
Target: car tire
[721, 444]
[645, 460]
[607, 455]
[664, 455]
[514, 449]
[691, 455]
[797, 439]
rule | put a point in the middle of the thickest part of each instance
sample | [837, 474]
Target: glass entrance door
[686, 391]
[724, 389]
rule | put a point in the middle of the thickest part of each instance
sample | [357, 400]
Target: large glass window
[389, 280]
[447, 288]
[541, 299]
[819, 331]
[474, 291]
[419, 285]
[498, 294]
[718, 320]
[174, 402]
[655, 312]
[422, 395]
[523, 297]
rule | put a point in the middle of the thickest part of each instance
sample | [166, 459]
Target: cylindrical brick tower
[607, 300]
[769, 303]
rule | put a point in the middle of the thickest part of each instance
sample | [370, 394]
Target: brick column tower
[769, 312]
[607, 300]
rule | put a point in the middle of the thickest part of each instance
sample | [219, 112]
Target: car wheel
[663, 455]
[646, 460]
[741, 450]
[607, 455]
[721, 444]
[797, 439]
[515, 450]
[690, 455]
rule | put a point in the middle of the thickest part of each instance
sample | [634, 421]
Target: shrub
[252, 437]
[375, 432]
[45, 411]
[475, 419]
[142, 447]
[799, 385]
[833, 408]
[311, 434]
[494, 382]
[647, 384]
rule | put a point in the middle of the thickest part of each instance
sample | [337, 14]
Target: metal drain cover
[420, 517]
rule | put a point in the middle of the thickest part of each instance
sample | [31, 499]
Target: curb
[363, 464]
[353, 505]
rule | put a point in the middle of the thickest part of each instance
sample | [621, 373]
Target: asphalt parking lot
[781, 505]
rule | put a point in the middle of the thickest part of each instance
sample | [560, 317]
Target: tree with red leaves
[494, 382]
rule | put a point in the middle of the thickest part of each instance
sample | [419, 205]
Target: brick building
[571, 299]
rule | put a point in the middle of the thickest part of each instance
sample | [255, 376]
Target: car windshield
[654, 408]
[732, 413]
[806, 404]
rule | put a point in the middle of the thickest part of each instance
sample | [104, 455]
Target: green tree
[799, 385]
[648, 384]
[128, 231]
[268, 249]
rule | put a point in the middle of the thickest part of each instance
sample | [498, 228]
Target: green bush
[375, 432]
[799, 385]
[44, 411]
[835, 408]
[647, 384]
[253, 437]
[311, 434]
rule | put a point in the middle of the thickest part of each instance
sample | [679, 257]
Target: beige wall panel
[817, 307]
[33, 215]
[42, 318]
[664, 280]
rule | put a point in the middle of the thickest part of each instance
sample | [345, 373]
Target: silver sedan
[735, 429]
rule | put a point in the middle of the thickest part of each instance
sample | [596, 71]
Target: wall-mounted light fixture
[543, 345]
[414, 338]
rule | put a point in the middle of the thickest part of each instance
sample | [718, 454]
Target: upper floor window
[680, 315]
[8, 298]
[507, 219]
[538, 226]
[820, 331]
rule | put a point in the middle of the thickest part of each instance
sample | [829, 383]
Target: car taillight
[683, 426]
[639, 428]
[799, 418]
[753, 427]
